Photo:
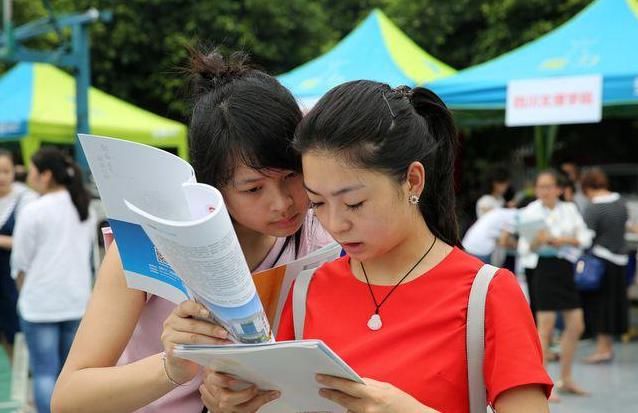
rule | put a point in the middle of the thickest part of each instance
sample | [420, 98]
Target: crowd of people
[567, 216]
[389, 201]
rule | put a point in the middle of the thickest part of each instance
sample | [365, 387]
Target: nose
[282, 199]
[334, 222]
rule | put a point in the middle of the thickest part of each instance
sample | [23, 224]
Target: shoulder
[486, 199]
[331, 271]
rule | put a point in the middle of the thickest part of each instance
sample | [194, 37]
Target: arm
[6, 242]
[582, 236]
[523, 399]
[89, 379]
[20, 280]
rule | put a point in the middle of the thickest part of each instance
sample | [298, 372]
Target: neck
[551, 204]
[599, 192]
[254, 245]
[388, 268]
[5, 190]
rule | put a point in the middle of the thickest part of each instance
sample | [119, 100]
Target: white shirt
[53, 248]
[21, 195]
[563, 220]
[480, 238]
[487, 203]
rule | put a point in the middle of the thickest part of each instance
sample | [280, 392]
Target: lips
[287, 221]
[352, 247]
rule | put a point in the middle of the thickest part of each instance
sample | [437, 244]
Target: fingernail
[319, 378]
[221, 333]
[204, 313]
[323, 392]
[274, 395]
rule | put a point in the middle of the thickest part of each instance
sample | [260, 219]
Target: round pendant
[374, 323]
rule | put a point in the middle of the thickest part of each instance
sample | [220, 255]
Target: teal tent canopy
[374, 50]
[37, 106]
[601, 40]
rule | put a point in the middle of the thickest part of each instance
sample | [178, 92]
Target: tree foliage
[138, 55]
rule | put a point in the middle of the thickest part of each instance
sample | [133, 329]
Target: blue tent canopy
[375, 50]
[602, 39]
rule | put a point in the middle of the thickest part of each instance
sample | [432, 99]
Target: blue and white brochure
[174, 235]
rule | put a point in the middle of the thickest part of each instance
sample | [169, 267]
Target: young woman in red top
[395, 307]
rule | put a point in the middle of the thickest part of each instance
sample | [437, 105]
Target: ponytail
[64, 172]
[439, 203]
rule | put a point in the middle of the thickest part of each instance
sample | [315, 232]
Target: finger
[343, 385]
[262, 398]
[351, 403]
[190, 308]
[218, 379]
[192, 325]
[208, 399]
[192, 338]
[229, 399]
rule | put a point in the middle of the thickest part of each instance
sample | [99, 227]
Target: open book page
[125, 170]
[167, 225]
[288, 366]
[274, 284]
[530, 227]
[205, 252]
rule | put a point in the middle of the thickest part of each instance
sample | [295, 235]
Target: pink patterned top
[145, 340]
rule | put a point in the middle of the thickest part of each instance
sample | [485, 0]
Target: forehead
[546, 179]
[243, 173]
[326, 172]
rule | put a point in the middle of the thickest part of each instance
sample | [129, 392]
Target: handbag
[588, 272]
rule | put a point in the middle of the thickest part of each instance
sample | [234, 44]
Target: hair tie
[70, 172]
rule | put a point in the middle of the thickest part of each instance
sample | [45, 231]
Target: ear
[415, 178]
[46, 178]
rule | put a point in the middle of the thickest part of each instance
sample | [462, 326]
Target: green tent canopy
[37, 105]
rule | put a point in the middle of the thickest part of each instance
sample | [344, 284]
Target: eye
[354, 207]
[253, 190]
[315, 205]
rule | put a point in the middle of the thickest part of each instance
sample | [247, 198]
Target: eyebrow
[248, 181]
[338, 192]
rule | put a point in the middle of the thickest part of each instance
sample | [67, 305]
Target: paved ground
[614, 386]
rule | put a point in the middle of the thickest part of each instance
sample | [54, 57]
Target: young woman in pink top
[241, 130]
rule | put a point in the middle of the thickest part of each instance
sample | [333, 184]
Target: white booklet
[176, 239]
[287, 366]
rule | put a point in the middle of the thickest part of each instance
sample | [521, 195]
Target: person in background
[498, 183]
[13, 196]
[606, 309]
[557, 245]
[51, 264]
[572, 171]
[485, 235]
[240, 138]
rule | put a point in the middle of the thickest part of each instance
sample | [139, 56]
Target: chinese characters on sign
[554, 101]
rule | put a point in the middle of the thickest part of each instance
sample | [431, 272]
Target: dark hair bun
[210, 69]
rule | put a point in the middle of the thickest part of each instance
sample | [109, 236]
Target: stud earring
[414, 199]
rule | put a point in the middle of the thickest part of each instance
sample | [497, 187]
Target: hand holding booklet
[287, 366]
[176, 239]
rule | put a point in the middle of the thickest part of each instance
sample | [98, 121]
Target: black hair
[559, 178]
[240, 115]
[376, 127]
[497, 174]
[64, 172]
